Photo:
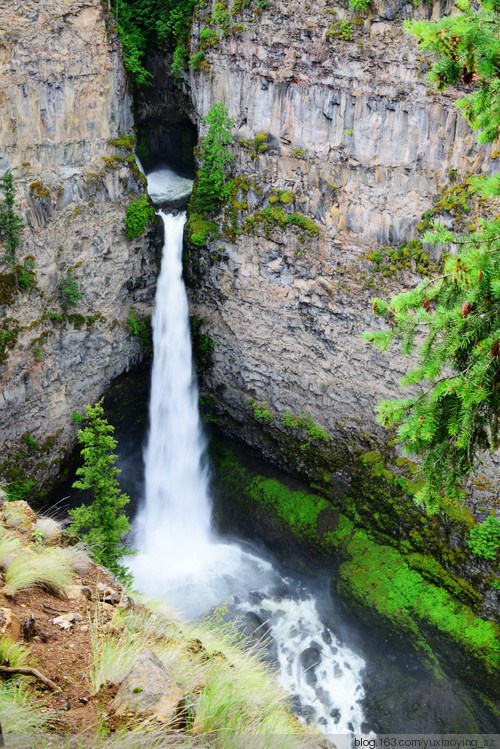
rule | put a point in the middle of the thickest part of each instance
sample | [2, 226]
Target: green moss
[276, 216]
[38, 190]
[8, 288]
[199, 230]
[126, 142]
[374, 580]
[9, 333]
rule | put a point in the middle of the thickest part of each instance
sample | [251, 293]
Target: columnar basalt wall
[64, 99]
[347, 132]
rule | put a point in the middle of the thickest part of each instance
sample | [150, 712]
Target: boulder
[19, 515]
[148, 689]
[10, 624]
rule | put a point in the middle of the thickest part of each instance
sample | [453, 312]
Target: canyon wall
[334, 119]
[64, 98]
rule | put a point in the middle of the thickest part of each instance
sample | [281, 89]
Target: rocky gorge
[65, 103]
[342, 153]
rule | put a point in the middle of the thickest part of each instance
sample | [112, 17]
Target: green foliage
[304, 421]
[145, 24]
[374, 579]
[212, 186]
[25, 273]
[199, 230]
[196, 60]
[261, 411]
[11, 225]
[411, 255]
[208, 38]
[69, 292]
[454, 416]
[358, 5]
[141, 329]
[103, 524]
[203, 346]
[484, 538]
[76, 417]
[340, 29]
[139, 213]
[276, 215]
[467, 47]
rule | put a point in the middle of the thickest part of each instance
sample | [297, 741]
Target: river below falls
[341, 678]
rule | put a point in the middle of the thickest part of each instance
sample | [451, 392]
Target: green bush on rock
[484, 538]
[139, 213]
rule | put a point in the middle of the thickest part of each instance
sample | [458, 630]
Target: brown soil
[64, 656]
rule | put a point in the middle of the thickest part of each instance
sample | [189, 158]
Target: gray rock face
[363, 148]
[148, 690]
[64, 99]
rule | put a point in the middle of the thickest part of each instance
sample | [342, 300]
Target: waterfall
[174, 526]
[182, 561]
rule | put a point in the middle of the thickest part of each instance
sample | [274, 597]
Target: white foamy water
[165, 185]
[182, 561]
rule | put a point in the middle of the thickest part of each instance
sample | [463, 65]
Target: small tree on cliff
[212, 186]
[102, 524]
[455, 415]
[11, 225]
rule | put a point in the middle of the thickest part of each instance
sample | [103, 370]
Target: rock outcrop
[65, 99]
[334, 119]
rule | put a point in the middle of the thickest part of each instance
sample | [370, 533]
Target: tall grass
[49, 568]
[234, 694]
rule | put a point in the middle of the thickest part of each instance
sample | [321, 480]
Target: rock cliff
[334, 120]
[64, 98]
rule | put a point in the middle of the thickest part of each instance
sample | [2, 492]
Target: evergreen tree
[11, 225]
[102, 524]
[454, 320]
[212, 186]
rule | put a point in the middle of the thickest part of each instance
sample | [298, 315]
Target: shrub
[484, 538]
[139, 213]
[69, 292]
[11, 225]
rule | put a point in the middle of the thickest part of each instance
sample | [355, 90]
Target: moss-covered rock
[374, 581]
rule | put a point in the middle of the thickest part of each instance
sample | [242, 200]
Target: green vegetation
[11, 225]
[236, 694]
[203, 346]
[25, 273]
[212, 186]
[455, 415]
[485, 538]
[467, 45]
[199, 230]
[141, 329]
[145, 24]
[69, 292]
[374, 580]
[139, 213]
[340, 29]
[261, 411]
[103, 523]
[304, 421]
[274, 215]
[358, 5]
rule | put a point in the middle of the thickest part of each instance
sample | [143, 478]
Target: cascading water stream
[174, 526]
[181, 560]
